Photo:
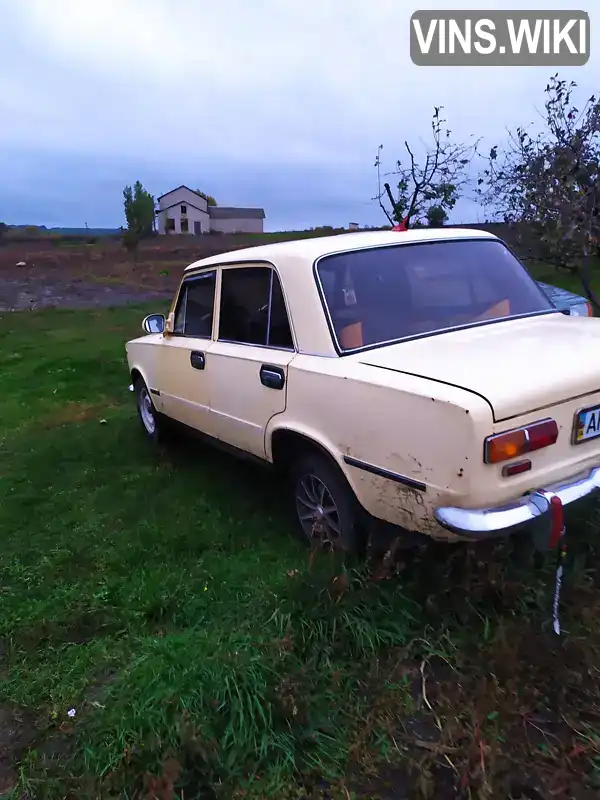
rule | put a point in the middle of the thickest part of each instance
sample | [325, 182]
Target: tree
[3, 229]
[436, 182]
[436, 216]
[208, 197]
[139, 213]
[546, 184]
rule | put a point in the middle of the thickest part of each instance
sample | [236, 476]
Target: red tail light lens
[517, 468]
[519, 441]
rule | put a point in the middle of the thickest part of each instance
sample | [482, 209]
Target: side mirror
[154, 323]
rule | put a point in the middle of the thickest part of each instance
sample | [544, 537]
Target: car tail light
[519, 441]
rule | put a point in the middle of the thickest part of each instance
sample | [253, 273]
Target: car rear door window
[252, 308]
[279, 334]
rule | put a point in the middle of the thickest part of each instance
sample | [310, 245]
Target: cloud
[276, 103]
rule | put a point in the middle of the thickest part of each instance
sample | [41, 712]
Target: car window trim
[273, 271]
[184, 287]
[270, 302]
[365, 348]
[262, 346]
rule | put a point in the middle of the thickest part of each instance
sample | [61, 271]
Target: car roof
[317, 246]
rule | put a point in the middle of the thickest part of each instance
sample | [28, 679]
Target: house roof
[223, 212]
[177, 188]
[179, 203]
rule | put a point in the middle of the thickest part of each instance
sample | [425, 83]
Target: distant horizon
[96, 230]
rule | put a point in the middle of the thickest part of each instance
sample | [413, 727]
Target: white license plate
[587, 424]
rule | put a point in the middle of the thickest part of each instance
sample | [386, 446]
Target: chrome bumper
[528, 512]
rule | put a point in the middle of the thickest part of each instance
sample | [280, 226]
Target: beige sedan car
[418, 378]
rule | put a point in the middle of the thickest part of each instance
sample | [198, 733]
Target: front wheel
[149, 417]
[326, 508]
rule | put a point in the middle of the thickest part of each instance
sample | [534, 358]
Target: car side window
[180, 311]
[253, 309]
[195, 307]
[280, 334]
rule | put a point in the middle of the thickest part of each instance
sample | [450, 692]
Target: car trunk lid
[518, 366]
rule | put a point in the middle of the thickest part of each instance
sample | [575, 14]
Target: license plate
[587, 424]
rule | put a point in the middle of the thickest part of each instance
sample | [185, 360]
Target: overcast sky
[272, 103]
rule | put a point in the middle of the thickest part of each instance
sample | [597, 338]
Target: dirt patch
[17, 732]
[86, 277]
[74, 412]
[42, 292]
[51, 275]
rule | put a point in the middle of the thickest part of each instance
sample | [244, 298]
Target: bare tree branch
[379, 193]
[427, 189]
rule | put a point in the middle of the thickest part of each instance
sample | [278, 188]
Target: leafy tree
[208, 197]
[546, 183]
[139, 213]
[436, 216]
[436, 182]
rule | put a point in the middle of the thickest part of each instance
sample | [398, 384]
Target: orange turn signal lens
[518, 442]
[504, 446]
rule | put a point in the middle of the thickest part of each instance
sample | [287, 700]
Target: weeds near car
[163, 635]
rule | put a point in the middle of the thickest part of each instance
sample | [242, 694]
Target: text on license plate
[587, 424]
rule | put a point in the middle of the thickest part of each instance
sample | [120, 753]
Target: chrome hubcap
[147, 411]
[317, 511]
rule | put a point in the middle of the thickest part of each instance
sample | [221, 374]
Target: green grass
[162, 595]
[565, 280]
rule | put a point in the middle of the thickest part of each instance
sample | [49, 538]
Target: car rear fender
[404, 444]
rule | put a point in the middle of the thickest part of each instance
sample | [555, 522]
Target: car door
[183, 368]
[249, 360]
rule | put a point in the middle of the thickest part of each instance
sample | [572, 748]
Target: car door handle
[272, 377]
[197, 359]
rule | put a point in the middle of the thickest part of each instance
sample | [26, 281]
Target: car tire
[150, 419]
[326, 509]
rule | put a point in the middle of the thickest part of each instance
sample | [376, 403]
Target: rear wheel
[327, 511]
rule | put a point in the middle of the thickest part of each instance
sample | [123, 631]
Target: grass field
[161, 597]
[566, 280]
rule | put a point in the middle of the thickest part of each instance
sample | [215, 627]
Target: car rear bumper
[529, 511]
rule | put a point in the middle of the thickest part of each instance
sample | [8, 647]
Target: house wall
[241, 225]
[160, 221]
[193, 215]
[183, 196]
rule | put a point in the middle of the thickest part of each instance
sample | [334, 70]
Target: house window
[194, 314]
[253, 309]
[170, 224]
[184, 226]
[184, 209]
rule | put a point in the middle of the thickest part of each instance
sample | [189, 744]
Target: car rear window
[388, 293]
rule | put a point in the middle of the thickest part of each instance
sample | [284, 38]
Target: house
[183, 210]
